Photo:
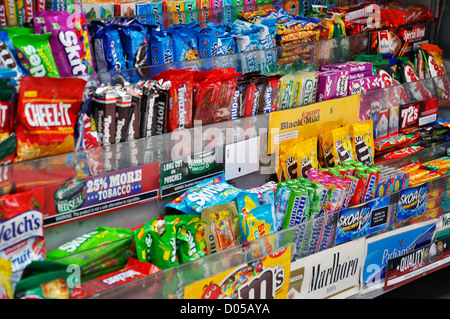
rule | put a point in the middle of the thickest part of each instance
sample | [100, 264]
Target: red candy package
[394, 141]
[398, 153]
[133, 270]
[46, 116]
[181, 93]
[394, 14]
[213, 94]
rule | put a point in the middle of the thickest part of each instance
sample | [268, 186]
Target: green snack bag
[35, 54]
[44, 279]
[156, 240]
[89, 247]
[191, 241]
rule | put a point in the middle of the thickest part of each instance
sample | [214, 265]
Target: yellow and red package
[181, 93]
[46, 116]
[434, 58]
[288, 161]
[326, 157]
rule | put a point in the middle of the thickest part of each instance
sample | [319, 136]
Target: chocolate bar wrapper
[332, 84]
[364, 84]
[123, 113]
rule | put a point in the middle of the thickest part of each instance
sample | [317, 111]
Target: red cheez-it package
[21, 229]
[47, 111]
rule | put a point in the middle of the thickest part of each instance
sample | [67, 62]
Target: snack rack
[158, 149]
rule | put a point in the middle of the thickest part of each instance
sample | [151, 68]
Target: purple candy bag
[70, 44]
[40, 20]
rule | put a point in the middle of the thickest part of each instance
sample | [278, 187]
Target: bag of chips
[46, 116]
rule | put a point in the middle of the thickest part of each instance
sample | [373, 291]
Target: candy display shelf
[149, 172]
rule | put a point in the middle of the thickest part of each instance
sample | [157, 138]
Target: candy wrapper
[394, 141]
[332, 84]
[134, 43]
[326, 157]
[342, 144]
[191, 240]
[70, 44]
[5, 279]
[307, 157]
[245, 202]
[222, 227]
[38, 133]
[210, 192]
[156, 240]
[35, 55]
[160, 48]
[180, 97]
[408, 150]
[363, 143]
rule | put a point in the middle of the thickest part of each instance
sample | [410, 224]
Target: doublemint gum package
[35, 55]
[213, 191]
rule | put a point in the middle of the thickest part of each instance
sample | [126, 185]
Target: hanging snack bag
[35, 55]
[288, 159]
[326, 156]
[222, 227]
[112, 46]
[210, 192]
[342, 144]
[307, 157]
[47, 111]
[160, 48]
[363, 144]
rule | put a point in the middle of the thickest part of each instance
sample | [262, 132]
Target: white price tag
[242, 158]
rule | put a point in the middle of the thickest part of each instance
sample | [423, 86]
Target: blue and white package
[112, 48]
[211, 192]
[412, 202]
[281, 205]
[247, 44]
[160, 48]
[208, 43]
[142, 12]
[390, 245]
[363, 220]
[266, 40]
[133, 36]
[328, 232]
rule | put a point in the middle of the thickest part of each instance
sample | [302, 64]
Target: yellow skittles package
[363, 144]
